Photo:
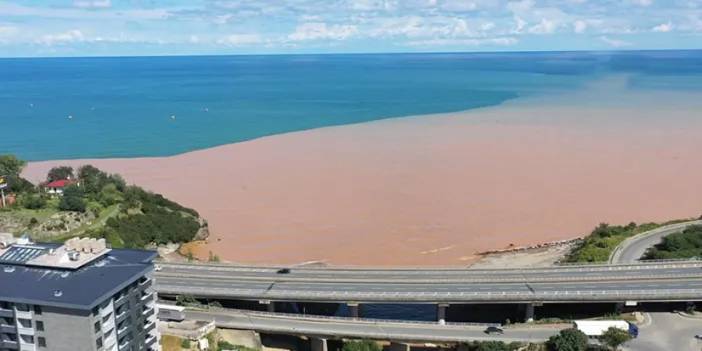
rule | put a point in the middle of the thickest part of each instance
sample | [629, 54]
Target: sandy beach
[432, 190]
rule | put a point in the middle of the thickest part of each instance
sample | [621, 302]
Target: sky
[189, 27]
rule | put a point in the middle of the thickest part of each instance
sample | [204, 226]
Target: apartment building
[80, 296]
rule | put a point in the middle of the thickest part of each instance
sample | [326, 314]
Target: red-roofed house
[57, 186]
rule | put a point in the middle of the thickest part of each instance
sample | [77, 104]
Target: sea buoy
[172, 116]
[70, 116]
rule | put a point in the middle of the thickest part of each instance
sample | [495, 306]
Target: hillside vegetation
[685, 244]
[597, 246]
[95, 204]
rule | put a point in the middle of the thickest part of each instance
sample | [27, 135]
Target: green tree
[92, 179]
[72, 199]
[568, 340]
[59, 173]
[615, 337]
[110, 195]
[185, 344]
[361, 345]
[11, 165]
[10, 168]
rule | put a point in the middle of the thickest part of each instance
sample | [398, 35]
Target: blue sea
[65, 108]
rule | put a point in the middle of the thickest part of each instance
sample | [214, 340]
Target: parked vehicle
[595, 329]
[494, 330]
[170, 313]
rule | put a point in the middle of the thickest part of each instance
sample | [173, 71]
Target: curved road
[631, 249]
[663, 331]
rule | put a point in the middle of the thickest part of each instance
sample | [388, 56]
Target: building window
[41, 341]
[98, 342]
[97, 326]
[37, 309]
[40, 325]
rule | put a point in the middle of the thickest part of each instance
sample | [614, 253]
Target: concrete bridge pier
[270, 305]
[441, 312]
[318, 344]
[354, 309]
[398, 346]
[529, 312]
[619, 307]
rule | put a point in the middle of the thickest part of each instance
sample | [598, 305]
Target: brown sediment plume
[432, 190]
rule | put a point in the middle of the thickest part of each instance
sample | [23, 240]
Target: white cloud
[458, 5]
[70, 36]
[372, 5]
[520, 6]
[579, 26]
[7, 33]
[663, 27]
[544, 27]
[240, 40]
[519, 25]
[641, 2]
[616, 43]
[92, 4]
[322, 31]
[506, 41]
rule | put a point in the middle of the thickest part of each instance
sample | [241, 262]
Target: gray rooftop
[81, 288]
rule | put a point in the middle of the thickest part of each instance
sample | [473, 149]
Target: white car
[157, 268]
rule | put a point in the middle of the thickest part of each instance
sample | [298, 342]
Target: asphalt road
[372, 329]
[667, 331]
[639, 290]
[663, 331]
[631, 250]
[560, 273]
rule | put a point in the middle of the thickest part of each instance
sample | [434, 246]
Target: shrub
[685, 244]
[361, 345]
[568, 340]
[32, 201]
[185, 344]
[615, 337]
[72, 199]
[109, 195]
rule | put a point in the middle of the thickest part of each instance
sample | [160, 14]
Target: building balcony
[149, 326]
[8, 329]
[109, 341]
[144, 281]
[121, 330]
[9, 344]
[25, 330]
[148, 312]
[147, 296]
[104, 312]
[119, 300]
[121, 315]
[124, 343]
[150, 340]
[6, 312]
[108, 324]
[23, 314]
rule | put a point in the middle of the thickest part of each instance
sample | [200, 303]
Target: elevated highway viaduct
[616, 283]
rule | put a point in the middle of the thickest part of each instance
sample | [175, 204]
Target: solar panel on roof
[20, 254]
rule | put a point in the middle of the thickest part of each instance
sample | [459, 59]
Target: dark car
[494, 330]
[283, 271]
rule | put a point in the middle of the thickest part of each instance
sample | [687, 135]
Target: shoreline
[430, 190]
